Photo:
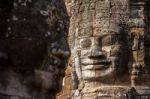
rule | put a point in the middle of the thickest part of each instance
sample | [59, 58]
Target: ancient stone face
[110, 45]
[98, 32]
[101, 56]
[100, 40]
[34, 43]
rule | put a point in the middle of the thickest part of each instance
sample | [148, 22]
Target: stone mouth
[96, 64]
[95, 67]
[105, 71]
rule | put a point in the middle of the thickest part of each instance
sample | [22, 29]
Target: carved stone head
[35, 43]
[101, 57]
[100, 44]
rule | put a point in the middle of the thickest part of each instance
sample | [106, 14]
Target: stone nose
[96, 53]
[61, 52]
[62, 49]
[96, 49]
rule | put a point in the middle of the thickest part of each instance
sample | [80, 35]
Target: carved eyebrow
[110, 34]
[110, 39]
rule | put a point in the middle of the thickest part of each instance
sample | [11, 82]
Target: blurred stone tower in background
[33, 48]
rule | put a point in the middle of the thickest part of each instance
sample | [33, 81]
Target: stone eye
[85, 43]
[110, 40]
[106, 41]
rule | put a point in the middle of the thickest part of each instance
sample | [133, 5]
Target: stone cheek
[85, 43]
[21, 53]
